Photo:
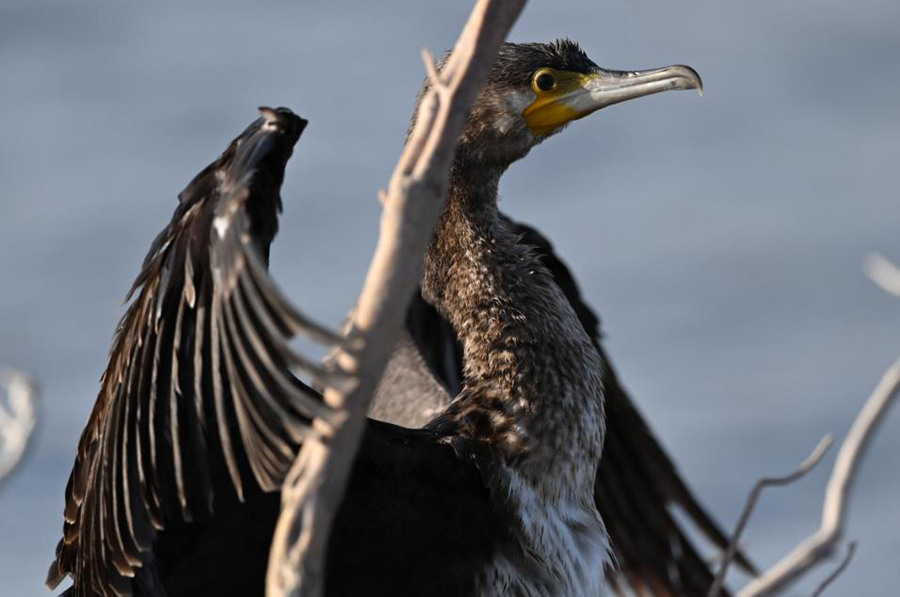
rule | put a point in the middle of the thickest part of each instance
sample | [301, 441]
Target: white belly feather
[567, 542]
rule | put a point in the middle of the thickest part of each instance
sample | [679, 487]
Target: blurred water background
[720, 239]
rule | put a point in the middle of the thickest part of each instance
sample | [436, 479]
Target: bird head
[535, 90]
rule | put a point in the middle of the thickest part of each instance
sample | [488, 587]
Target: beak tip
[692, 77]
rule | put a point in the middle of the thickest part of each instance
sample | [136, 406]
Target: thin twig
[414, 200]
[431, 69]
[822, 544]
[807, 465]
[851, 549]
[883, 272]
[17, 418]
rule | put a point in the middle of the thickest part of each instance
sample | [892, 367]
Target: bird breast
[558, 547]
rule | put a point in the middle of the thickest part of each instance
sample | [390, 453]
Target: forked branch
[412, 205]
[822, 544]
[807, 465]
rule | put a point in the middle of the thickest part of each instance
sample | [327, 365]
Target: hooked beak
[582, 94]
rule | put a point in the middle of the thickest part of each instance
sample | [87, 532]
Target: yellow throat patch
[550, 110]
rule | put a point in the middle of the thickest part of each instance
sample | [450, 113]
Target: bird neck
[532, 390]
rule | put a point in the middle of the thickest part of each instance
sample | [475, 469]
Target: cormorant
[637, 483]
[199, 417]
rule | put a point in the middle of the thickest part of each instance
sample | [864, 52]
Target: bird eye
[544, 81]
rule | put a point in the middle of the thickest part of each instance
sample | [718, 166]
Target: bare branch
[883, 272]
[414, 200]
[822, 544]
[431, 70]
[807, 465]
[17, 418]
[851, 549]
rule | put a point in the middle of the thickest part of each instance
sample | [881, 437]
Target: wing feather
[201, 393]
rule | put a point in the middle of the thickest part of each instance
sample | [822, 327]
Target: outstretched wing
[200, 391]
[637, 483]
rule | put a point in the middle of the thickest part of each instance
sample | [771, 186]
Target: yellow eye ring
[543, 81]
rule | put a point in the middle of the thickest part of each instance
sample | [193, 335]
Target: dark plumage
[199, 418]
[516, 63]
[195, 397]
[637, 483]
[200, 414]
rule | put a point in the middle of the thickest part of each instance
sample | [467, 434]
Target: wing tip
[282, 117]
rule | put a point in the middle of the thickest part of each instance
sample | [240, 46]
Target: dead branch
[851, 549]
[883, 272]
[807, 465]
[822, 544]
[17, 418]
[413, 202]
